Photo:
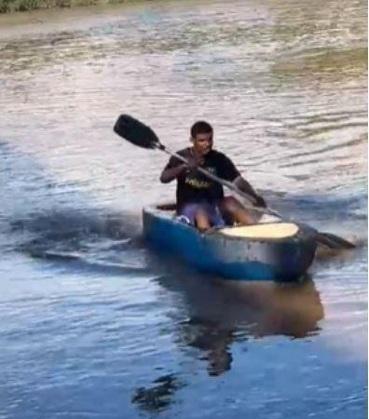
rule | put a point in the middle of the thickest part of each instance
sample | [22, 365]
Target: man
[200, 199]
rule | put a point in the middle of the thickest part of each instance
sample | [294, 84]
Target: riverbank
[10, 6]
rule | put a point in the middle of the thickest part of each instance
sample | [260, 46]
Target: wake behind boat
[278, 251]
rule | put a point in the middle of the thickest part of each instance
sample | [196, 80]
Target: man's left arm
[244, 186]
[231, 173]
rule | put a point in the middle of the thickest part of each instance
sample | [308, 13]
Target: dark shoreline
[10, 6]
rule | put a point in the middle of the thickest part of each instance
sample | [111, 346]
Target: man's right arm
[169, 174]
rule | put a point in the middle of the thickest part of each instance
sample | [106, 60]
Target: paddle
[143, 136]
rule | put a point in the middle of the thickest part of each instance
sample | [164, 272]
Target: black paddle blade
[136, 132]
[334, 242]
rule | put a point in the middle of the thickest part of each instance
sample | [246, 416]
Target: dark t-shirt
[194, 186]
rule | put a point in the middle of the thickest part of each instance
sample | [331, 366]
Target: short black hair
[201, 127]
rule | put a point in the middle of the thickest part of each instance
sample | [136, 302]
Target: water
[93, 324]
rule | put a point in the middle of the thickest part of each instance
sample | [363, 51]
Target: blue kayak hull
[231, 257]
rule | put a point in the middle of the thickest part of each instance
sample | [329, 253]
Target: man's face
[203, 143]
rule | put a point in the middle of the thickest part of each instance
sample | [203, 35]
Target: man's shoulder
[183, 151]
[219, 155]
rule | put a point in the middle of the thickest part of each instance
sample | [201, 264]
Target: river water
[95, 325]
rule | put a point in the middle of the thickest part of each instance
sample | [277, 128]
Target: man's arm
[175, 168]
[169, 174]
[244, 186]
[230, 172]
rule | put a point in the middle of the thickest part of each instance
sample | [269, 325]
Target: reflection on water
[218, 314]
[158, 396]
[213, 341]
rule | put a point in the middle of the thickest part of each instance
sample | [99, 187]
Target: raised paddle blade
[136, 132]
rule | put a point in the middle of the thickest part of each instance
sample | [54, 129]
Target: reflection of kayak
[239, 310]
[270, 251]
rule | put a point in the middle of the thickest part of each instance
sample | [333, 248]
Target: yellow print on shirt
[198, 184]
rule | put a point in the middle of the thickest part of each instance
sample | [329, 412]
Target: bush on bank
[8, 6]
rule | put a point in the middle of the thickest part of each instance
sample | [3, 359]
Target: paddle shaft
[223, 182]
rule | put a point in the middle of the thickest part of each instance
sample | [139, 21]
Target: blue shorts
[190, 210]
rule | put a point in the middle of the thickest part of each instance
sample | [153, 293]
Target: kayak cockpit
[268, 227]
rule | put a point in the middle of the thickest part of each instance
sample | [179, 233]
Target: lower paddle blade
[334, 242]
[136, 132]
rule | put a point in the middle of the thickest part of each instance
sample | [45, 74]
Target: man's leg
[209, 216]
[234, 210]
[197, 215]
[202, 220]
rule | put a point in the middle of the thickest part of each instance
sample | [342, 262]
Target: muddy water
[93, 323]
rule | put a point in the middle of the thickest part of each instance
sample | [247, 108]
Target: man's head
[202, 137]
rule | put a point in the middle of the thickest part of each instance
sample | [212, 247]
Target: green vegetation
[7, 6]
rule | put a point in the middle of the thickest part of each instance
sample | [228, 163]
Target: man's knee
[202, 220]
[229, 204]
[234, 212]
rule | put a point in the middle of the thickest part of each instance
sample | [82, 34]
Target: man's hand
[260, 202]
[185, 168]
[194, 162]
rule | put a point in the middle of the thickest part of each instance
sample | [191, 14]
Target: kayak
[276, 250]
